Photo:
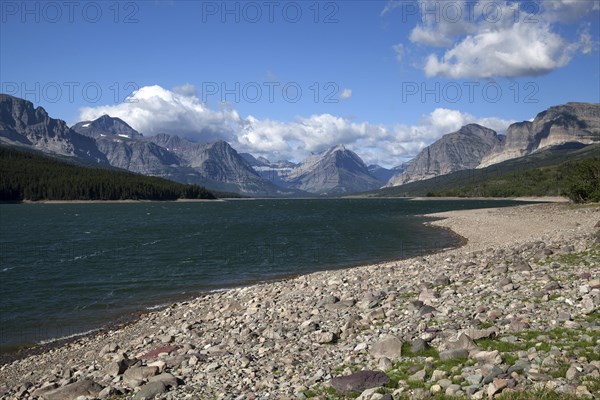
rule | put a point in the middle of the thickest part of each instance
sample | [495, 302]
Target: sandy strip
[514, 225]
[541, 199]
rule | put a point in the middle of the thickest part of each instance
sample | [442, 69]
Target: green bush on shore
[583, 180]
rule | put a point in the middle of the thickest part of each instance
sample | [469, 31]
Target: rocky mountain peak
[476, 130]
[463, 149]
[334, 171]
[220, 145]
[106, 126]
[23, 125]
[571, 122]
[264, 160]
[19, 113]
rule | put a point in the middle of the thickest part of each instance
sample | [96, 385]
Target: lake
[70, 268]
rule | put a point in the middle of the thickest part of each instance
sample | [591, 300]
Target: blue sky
[386, 78]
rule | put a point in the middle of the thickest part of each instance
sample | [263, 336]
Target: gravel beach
[514, 309]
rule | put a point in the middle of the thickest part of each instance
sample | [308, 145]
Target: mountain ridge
[335, 171]
[494, 178]
[112, 142]
[456, 151]
[106, 125]
[564, 123]
[23, 124]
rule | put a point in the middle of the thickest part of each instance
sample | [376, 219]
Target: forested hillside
[29, 176]
[571, 170]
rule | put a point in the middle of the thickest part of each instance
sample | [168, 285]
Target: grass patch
[576, 343]
[458, 380]
[400, 370]
[586, 258]
[592, 317]
[407, 295]
[341, 368]
[449, 365]
[536, 395]
[329, 393]
[560, 371]
[509, 358]
[592, 384]
[502, 347]
[415, 384]
[429, 352]
[400, 373]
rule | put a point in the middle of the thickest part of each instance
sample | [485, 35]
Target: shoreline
[115, 201]
[272, 318]
[19, 352]
[541, 199]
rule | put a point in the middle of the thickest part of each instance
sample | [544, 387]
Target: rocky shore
[515, 310]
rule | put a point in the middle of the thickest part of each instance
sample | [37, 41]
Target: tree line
[579, 180]
[28, 176]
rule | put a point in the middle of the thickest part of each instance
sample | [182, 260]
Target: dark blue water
[68, 268]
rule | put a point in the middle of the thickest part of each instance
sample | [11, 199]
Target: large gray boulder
[72, 391]
[389, 346]
[359, 381]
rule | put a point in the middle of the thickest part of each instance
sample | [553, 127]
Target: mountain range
[463, 149]
[111, 142]
[572, 122]
[474, 146]
[23, 125]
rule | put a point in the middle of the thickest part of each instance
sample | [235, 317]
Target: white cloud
[153, 109]
[441, 121]
[429, 37]
[400, 52]
[586, 44]
[375, 144]
[494, 38]
[390, 5]
[568, 11]
[346, 94]
[187, 89]
[521, 50]
[585, 39]
[297, 139]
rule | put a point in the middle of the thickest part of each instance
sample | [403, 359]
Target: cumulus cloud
[346, 94]
[187, 89]
[521, 50]
[493, 38]
[375, 144]
[441, 121]
[153, 109]
[568, 11]
[429, 37]
[298, 138]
